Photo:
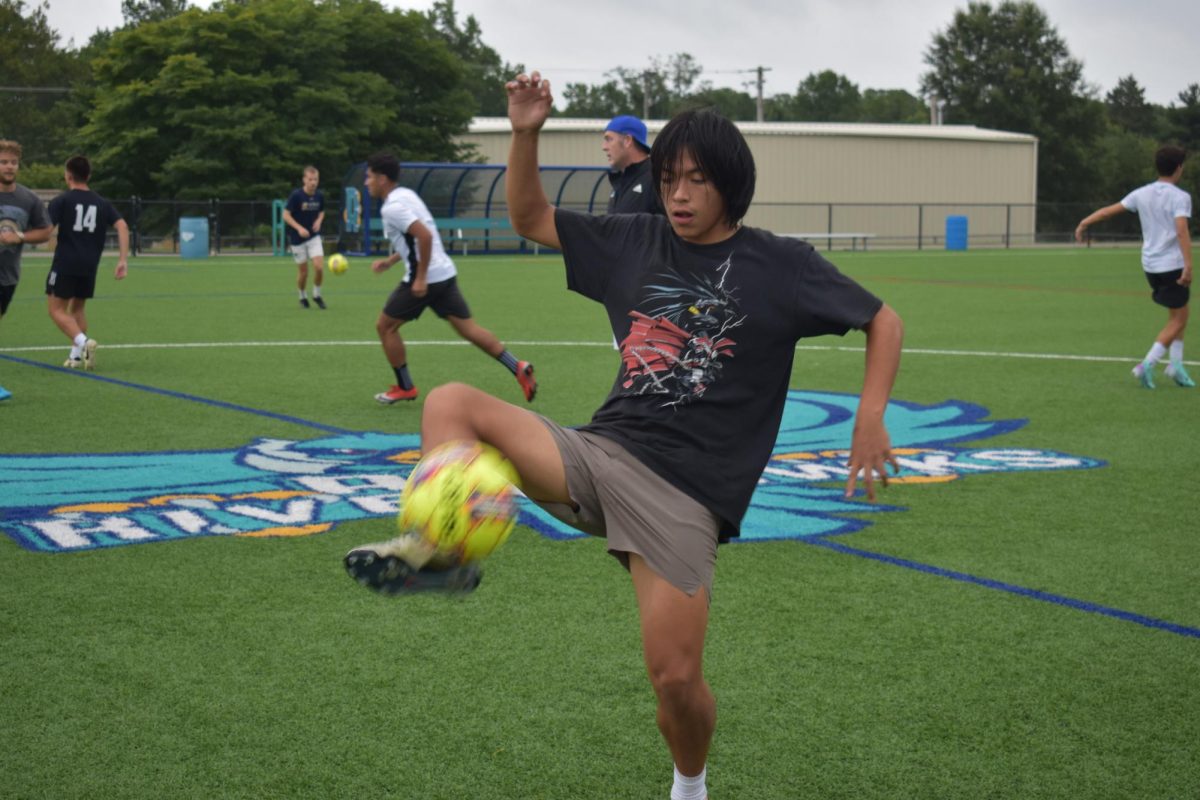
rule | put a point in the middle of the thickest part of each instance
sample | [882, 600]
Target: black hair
[385, 164]
[1168, 158]
[80, 168]
[719, 150]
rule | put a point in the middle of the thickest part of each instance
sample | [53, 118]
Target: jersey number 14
[85, 218]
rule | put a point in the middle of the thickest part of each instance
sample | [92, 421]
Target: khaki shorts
[309, 250]
[621, 499]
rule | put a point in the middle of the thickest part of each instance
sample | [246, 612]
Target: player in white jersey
[430, 281]
[1163, 210]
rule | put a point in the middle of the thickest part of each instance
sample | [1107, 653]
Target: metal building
[893, 185]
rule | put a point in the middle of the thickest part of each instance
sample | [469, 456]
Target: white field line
[924, 351]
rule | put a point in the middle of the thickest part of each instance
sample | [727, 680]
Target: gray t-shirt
[20, 210]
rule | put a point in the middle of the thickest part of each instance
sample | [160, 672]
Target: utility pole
[760, 71]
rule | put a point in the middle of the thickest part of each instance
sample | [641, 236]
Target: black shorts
[443, 297]
[6, 296]
[1165, 289]
[70, 287]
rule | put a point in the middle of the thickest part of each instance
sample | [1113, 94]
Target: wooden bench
[854, 238]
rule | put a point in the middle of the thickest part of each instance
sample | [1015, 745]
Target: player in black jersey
[83, 219]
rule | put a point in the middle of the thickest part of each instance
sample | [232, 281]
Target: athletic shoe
[403, 566]
[73, 363]
[1145, 375]
[320, 301]
[89, 355]
[1176, 371]
[396, 394]
[304, 302]
[526, 379]
[4, 393]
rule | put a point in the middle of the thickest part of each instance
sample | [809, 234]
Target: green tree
[826, 96]
[135, 12]
[602, 101]
[1006, 67]
[731, 103]
[231, 102]
[36, 111]
[1128, 109]
[652, 92]
[484, 73]
[893, 105]
[1183, 127]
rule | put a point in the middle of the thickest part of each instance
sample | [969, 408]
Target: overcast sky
[877, 44]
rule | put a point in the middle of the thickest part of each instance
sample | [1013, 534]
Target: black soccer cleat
[304, 302]
[320, 301]
[392, 575]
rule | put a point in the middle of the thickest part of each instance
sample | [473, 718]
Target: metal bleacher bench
[854, 238]
[461, 230]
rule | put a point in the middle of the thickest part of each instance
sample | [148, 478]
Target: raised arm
[1098, 215]
[871, 448]
[532, 216]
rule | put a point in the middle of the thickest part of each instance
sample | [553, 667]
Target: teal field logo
[280, 487]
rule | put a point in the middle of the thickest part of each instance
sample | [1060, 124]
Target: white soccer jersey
[400, 210]
[1158, 205]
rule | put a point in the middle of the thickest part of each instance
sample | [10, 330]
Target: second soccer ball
[338, 263]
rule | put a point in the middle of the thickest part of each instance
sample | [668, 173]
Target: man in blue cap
[633, 190]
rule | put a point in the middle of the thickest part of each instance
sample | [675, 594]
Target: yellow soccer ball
[338, 263]
[461, 499]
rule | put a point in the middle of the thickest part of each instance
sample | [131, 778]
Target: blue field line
[180, 395]
[987, 583]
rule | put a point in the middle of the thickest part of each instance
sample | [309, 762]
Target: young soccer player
[429, 282]
[83, 219]
[708, 312]
[303, 216]
[22, 221]
[1163, 210]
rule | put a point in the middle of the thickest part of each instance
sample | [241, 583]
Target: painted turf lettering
[280, 487]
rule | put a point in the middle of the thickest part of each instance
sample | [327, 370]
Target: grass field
[1009, 634]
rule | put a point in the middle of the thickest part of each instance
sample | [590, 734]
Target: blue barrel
[193, 237]
[956, 233]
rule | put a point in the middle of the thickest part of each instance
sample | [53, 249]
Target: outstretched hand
[529, 101]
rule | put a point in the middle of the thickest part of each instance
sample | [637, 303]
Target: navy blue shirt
[83, 219]
[304, 208]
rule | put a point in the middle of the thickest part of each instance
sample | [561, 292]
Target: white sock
[76, 353]
[692, 788]
[1155, 355]
[316, 291]
[1177, 351]
[80, 342]
[302, 294]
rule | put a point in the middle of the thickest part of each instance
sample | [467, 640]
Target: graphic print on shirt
[678, 341]
[13, 219]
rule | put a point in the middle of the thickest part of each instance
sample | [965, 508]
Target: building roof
[845, 129]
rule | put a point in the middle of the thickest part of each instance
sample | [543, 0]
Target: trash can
[956, 233]
[193, 237]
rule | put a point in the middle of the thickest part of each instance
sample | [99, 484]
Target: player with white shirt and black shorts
[1163, 210]
[430, 281]
[83, 219]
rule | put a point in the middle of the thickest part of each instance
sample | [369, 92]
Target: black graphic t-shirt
[707, 336]
[83, 219]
